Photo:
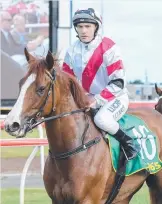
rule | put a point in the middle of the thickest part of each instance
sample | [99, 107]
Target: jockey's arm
[116, 78]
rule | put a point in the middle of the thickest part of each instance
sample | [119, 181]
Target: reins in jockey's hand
[35, 120]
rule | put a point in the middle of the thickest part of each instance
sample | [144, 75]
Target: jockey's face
[86, 31]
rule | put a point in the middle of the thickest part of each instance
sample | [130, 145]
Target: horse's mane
[80, 98]
[38, 67]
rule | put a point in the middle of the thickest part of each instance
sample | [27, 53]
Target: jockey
[97, 64]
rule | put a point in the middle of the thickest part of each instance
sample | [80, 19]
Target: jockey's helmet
[87, 16]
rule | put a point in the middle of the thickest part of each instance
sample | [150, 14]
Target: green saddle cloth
[148, 157]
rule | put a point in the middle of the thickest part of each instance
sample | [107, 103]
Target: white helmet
[87, 16]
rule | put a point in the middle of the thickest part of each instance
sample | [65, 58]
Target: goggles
[90, 12]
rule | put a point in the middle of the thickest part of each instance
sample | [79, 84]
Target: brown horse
[158, 106]
[72, 175]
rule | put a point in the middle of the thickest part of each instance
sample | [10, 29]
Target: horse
[78, 168]
[158, 106]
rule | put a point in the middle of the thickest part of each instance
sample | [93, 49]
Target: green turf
[10, 152]
[39, 196]
[141, 197]
[32, 196]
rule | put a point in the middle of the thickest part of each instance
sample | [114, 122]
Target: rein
[31, 126]
[33, 122]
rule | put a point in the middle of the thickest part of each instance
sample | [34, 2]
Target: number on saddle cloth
[148, 157]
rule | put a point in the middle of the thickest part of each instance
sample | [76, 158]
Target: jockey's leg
[106, 119]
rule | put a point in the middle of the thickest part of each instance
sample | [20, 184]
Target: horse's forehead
[28, 82]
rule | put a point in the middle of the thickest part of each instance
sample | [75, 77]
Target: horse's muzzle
[15, 129]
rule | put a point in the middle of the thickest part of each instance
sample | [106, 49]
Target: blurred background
[135, 25]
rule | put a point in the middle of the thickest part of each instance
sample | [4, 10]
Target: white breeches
[108, 115]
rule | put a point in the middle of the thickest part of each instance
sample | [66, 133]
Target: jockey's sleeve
[67, 64]
[116, 77]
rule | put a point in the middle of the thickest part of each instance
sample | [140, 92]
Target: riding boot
[131, 149]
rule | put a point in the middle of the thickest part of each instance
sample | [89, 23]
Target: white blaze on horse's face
[14, 117]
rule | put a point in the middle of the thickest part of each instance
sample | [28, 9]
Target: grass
[10, 152]
[32, 196]
[142, 197]
[39, 196]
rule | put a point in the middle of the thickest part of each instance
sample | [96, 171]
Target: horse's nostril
[12, 128]
[15, 126]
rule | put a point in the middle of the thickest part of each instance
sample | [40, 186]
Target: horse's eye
[40, 90]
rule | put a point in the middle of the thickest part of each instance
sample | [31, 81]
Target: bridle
[35, 121]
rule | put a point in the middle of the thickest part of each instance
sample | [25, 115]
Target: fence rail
[23, 142]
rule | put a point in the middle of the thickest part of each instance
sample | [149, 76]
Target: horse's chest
[62, 193]
[62, 188]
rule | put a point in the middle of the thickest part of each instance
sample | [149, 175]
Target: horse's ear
[158, 90]
[28, 56]
[49, 60]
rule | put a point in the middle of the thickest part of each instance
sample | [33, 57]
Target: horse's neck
[66, 133]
